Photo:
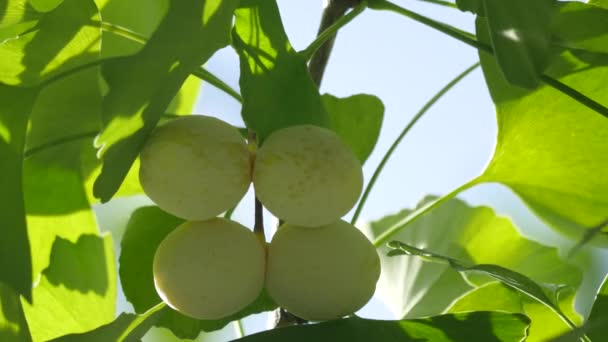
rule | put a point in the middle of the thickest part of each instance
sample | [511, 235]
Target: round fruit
[195, 167]
[209, 269]
[322, 273]
[307, 176]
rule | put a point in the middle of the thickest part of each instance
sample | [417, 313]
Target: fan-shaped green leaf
[142, 85]
[598, 319]
[412, 287]
[275, 84]
[357, 120]
[15, 257]
[520, 37]
[581, 26]
[474, 326]
[551, 150]
[77, 292]
[13, 326]
[63, 39]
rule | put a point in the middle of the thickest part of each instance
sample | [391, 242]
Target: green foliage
[15, 258]
[474, 6]
[141, 86]
[357, 120]
[469, 235]
[126, 327]
[596, 323]
[581, 26]
[521, 38]
[45, 5]
[476, 326]
[73, 70]
[62, 39]
[484, 297]
[562, 185]
[77, 292]
[13, 327]
[275, 84]
[147, 227]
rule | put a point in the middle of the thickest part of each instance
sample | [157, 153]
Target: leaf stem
[146, 316]
[71, 138]
[63, 140]
[124, 32]
[238, 328]
[421, 211]
[334, 10]
[441, 3]
[407, 128]
[331, 31]
[210, 78]
[470, 40]
[258, 226]
[121, 31]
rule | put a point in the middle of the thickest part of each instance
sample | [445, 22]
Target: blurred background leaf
[412, 287]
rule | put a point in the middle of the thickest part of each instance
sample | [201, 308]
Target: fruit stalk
[258, 226]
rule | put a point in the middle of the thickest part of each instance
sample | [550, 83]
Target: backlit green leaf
[473, 6]
[357, 119]
[13, 327]
[544, 295]
[63, 39]
[474, 326]
[275, 84]
[497, 296]
[581, 26]
[55, 197]
[45, 5]
[551, 150]
[126, 327]
[77, 292]
[15, 257]
[142, 85]
[598, 319]
[412, 287]
[520, 37]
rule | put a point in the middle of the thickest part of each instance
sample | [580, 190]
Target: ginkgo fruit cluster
[317, 266]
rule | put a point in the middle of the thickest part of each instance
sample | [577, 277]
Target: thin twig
[405, 131]
[333, 12]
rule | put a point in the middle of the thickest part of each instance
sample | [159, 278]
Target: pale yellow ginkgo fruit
[306, 176]
[195, 167]
[321, 273]
[209, 269]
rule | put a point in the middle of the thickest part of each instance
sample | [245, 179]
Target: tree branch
[333, 12]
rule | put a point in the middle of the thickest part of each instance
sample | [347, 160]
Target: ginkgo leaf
[551, 150]
[275, 83]
[142, 85]
[473, 326]
[412, 287]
